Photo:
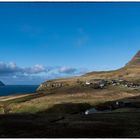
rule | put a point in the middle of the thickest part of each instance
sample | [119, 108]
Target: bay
[17, 89]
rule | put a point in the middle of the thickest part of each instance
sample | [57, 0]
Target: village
[92, 83]
[102, 83]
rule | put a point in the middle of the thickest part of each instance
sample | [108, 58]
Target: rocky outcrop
[51, 85]
[2, 84]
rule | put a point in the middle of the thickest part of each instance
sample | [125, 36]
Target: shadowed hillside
[67, 120]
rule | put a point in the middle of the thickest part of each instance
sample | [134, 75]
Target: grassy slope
[65, 117]
[58, 112]
[74, 94]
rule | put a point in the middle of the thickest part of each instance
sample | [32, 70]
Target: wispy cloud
[9, 68]
[81, 41]
[35, 69]
[67, 70]
[82, 37]
[13, 74]
[12, 68]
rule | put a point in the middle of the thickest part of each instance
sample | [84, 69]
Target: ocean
[17, 89]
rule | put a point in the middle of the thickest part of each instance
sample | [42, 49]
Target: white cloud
[7, 68]
[35, 69]
[11, 73]
[67, 70]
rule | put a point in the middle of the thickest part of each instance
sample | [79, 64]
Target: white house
[87, 83]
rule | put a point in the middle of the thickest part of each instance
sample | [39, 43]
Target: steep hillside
[130, 72]
[135, 62]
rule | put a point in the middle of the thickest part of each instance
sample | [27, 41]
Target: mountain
[130, 72]
[135, 62]
[2, 84]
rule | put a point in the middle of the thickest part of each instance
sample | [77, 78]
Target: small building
[88, 83]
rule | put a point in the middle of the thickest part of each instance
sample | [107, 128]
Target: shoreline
[10, 92]
[14, 96]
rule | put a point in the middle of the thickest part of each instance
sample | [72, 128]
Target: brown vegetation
[57, 109]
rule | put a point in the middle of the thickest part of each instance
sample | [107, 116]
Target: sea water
[17, 89]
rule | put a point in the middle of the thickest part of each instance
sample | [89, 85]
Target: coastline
[14, 90]
[14, 96]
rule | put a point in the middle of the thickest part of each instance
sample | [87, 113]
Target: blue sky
[40, 41]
